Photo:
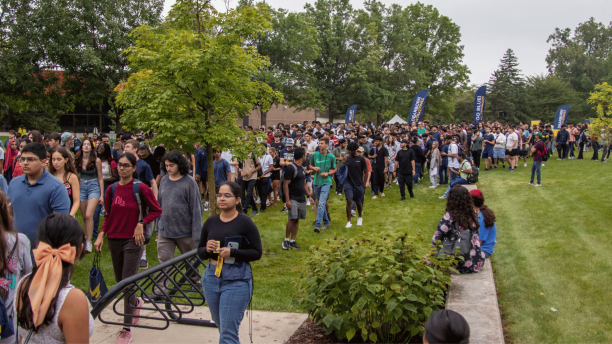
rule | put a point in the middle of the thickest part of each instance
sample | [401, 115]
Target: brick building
[281, 114]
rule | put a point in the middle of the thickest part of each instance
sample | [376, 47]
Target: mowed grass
[553, 251]
[552, 240]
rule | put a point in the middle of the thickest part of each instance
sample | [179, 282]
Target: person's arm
[270, 168]
[100, 180]
[151, 199]
[195, 203]
[413, 167]
[286, 193]
[114, 173]
[1, 164]
[60, 202]
[193, 163]
[154, 187]
[198, 158]
[76, 193]
[442, 229]
[202, 252]
[73, 318]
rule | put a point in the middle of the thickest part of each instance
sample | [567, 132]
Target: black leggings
[378, 179]
[476, 156]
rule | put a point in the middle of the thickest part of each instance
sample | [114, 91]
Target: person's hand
[211, 245]
[225, 252]
[101, 201]
[367, 184]
[385, 170]
[413, 172]
[99, 242]
[288, 204]
[317, 169]
[324, 174]
[197, 178]
[139, 234]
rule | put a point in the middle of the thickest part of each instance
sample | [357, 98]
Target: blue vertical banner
[418, 105]
[561, 116]
[479, 104]
[351, 114]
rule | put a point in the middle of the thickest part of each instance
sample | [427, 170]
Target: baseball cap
[289, 142]
[360, 149]
[538, 135]
[65, 137]
[476, 193]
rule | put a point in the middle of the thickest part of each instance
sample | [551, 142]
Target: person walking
[124, 225]
[295, 189]
[405, 159]
[324, 166]
[477, 140]
[380, 156]
[50, 309]
[275, 176]
[582, 141]
[230, 241]
[250, 166]
[354, 189]
[419, 158]
[538, 150]
[488, 151]
[263, 181]
[110, 175]
[10, 155]
[340, 152]
[563, 138]
[434, 164]
[36, 193]
[90, 171]
[62, 168]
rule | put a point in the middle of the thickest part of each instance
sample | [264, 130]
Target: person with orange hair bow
[49, 308]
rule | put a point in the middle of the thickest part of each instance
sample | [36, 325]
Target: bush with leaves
[382, 287]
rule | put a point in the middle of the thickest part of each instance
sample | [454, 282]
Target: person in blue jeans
[443, 170]
[324, 166]
[230, 241]
[465, 168]
[537, 152]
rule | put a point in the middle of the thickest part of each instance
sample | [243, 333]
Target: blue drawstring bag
[97, 286]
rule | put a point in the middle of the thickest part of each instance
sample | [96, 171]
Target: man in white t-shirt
[453, 162]
[499, 150]
[312, 144]
[229, 157]
[512, 149]
[263, 181]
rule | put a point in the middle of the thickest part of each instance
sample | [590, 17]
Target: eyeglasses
[124, 166]
[28, 160]
[224, 196]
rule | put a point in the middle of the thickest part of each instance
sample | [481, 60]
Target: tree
[602, 99]
[194, 79]
[583, 59]
[547, 93]
[291, 46]
[463, 103]
[506, 90]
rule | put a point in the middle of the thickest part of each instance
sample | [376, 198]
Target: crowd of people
[146, 193]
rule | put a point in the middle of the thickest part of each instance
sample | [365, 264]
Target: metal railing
[164, 288]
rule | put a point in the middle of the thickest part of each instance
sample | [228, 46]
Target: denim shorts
[89, 189]
[499, 153]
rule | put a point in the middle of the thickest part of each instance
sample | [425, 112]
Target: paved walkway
[268, 327]
[474, 296]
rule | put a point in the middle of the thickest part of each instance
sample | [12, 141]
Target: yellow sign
[95, 293]
[535, 122]
[555, 131]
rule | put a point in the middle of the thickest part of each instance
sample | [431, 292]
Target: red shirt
[125, 212]
[270, 138]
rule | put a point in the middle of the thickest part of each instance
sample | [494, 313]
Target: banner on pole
[561, 116]
[479, 104]
[418, 106]
[351, 114]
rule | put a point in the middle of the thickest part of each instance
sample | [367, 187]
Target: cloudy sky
[490, 27]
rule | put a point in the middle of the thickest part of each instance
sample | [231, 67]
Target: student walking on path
[324, 166]
[295, 189]
[354, 189]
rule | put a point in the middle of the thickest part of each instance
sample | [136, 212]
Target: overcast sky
[490, 27]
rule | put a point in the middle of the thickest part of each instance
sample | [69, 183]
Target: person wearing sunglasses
[35, 194]
[230, 241]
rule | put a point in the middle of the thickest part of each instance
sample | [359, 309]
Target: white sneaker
[395, 181]
[543, 164]
[353, 213]
[258, 201]
[359, 221]
[538, 184]
[382, 194]
[525, 164]
[349, 225]
[375, 197]
[206, 206]
[442, 197]
[88, 247]
[307, 202]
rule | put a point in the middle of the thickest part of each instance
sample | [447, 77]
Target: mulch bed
[311, 333]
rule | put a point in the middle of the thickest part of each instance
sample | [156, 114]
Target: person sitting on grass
[486, 219]
[465, 168]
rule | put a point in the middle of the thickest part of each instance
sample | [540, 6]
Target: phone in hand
[231, 260]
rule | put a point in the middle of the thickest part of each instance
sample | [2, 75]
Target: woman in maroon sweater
[125, 232]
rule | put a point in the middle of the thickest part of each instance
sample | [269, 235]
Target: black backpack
[281, 191]
[473, 177]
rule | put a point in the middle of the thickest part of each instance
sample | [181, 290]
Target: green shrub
[380, 286]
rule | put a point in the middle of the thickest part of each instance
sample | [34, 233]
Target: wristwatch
[141, 222]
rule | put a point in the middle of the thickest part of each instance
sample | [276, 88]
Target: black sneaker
[154, 298]
[403, 199]
[293, 244]
[286, 245]
[284, 209]
[317, 230]
[143, 264]
[496, 166]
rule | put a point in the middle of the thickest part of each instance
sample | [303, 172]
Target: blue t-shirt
[201, 164]
[33, 202]
[488, 236]
[436, 136]
[145, 174]
[489, 146]
[444, 158]
[287, 155]
[221, 168]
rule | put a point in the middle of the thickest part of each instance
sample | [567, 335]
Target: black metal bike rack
[172, 281]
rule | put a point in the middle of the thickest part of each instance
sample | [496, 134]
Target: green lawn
[552, 240]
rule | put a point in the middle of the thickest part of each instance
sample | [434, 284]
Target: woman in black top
[275, 175]
[230, 241]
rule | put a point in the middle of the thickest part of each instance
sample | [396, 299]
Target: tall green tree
[194, 79]
[463, 104]
[601, 100]
[291, 46]
[547, 93]
[584, 58]
[506, 91]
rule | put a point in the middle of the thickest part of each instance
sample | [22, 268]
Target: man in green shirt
[324, 166]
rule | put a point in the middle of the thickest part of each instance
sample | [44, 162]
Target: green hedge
[382, 287]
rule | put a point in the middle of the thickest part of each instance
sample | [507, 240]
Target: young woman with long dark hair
[125, 231]
[230, 241]
[275, 176]
[36, 136]
[90, 171]
[49, 308]
[486, 218]
[109, 176]
[460, 217]
[62, 168]
[11, 153]
[15, 260]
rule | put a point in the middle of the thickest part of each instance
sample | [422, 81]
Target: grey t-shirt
[20, 264]
[181, 209]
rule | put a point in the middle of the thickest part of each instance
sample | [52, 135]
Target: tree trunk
[378, 119]
[212, 199]
[118, 128]
[264, 118]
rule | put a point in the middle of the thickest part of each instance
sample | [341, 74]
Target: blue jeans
[443, 173]
[571, 148]
[322, 193]
[457, 181]
[418, 168]
[535, 168]
[453, 176]
[90, 189]
[227, 301]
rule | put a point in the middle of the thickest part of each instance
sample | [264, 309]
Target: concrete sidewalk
[268, 327]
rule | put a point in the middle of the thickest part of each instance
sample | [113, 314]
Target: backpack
[260, 171]
[472, 178]
[545, 154]
[148, 229]
[281, 191]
